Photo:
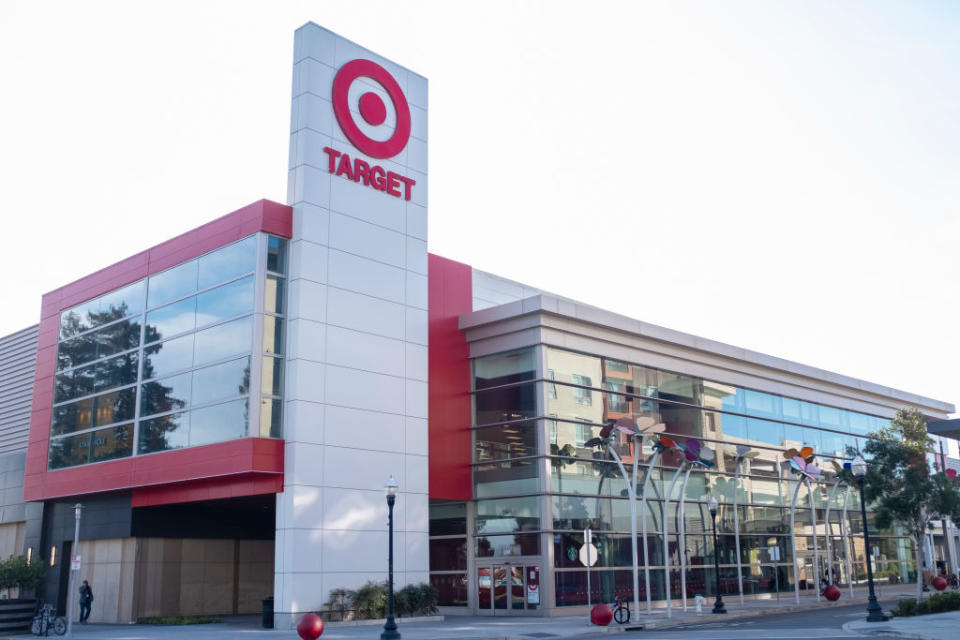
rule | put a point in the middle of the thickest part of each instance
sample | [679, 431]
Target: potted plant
[16, 571]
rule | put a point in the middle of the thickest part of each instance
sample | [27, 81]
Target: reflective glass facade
[169, 361]
[537, 486]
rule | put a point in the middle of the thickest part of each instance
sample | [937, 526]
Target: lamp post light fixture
[390, 627]
[874, 612]
[718, 604]
[77, 510]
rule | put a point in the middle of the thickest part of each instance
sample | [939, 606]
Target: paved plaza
[755, 619]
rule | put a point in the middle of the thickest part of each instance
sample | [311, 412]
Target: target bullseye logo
[372, 109]
[374, 113]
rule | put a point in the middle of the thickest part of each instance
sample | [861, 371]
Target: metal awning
[945, 428]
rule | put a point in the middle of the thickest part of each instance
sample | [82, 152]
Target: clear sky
[780, 176]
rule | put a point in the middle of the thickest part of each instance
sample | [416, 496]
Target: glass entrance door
[502, 589]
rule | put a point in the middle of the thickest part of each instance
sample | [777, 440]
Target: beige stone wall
[202, 577]
[109, 566]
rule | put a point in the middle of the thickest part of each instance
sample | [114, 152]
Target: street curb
[381, 621]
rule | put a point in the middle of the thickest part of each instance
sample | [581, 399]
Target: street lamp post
[77, 508]
[390, 627]
[874, 612]
[718, 605]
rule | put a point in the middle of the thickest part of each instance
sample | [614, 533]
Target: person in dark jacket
[86, 599]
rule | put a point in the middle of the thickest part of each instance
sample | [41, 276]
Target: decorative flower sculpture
[661, 443]
[951, 473]
[643, 426]
[802, 462]
[696, 453]
[743, 452]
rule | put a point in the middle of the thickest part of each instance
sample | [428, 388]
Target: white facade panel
[357, 334]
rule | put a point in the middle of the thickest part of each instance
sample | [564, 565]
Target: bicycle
[621, 613]
[47, 618]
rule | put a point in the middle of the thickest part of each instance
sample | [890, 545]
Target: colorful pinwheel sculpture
[697, 453]
[802, 462]
[661, 443]
[743, 451]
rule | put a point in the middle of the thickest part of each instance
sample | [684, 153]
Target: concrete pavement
[755, 619]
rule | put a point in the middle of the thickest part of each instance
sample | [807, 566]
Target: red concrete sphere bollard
[831, 593]
[310, 626]
[601, 615]
[939, 583]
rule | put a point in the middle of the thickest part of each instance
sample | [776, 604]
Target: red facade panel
[450, 290]
[256, 460]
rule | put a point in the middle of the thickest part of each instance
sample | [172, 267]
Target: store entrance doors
[507, 588]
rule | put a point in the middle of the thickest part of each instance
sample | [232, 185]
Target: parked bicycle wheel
[35, 629]
[60, 626]
[622, 615]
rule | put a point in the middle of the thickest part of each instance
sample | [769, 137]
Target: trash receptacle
[268, 613]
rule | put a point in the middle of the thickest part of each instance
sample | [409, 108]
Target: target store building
[228, 405]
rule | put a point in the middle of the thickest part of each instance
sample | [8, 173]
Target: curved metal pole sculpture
[683, 537]
[743, 452]
[802, 462]
[695, 455]
[828, 526]
[666, 541]
[846, 541]
[816, 551]
[629, 427]
[643, 523]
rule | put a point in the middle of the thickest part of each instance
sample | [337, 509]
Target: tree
[901, 484]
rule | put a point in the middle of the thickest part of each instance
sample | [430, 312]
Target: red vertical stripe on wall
[450, 288]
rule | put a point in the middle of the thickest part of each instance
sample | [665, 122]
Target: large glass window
[190, 384]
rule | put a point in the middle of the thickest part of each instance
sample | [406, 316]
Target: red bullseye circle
[372, 108]
[341, 108]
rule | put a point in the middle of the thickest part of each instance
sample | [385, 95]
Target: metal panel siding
[18, 355]
[450, 287]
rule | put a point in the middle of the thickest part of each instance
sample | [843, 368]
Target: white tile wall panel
[361, 468]
[416, 474]
[312, 76]
[416, 259]
[416, 361]
[311, 223]
[416, 398]
[362, 429]
[312, 112]
[309, 260]
[307, 339]
[417, 91]
[307, 299]
[366, 276]
[358, 285]
[302, 464]
[416, 436]
[417, 325]
[366, 240]
[364, 390]
[306, 148]
[417, 295]
[354, 510]
[305, 380]
[349, 348]
[362, 202]
[363, 313]
[303, 421]
[361, 551]
[416, 221]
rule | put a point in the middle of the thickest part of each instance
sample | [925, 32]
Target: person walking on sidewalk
[86, 599]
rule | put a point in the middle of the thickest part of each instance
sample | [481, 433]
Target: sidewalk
[936, 626]
[508, 627]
